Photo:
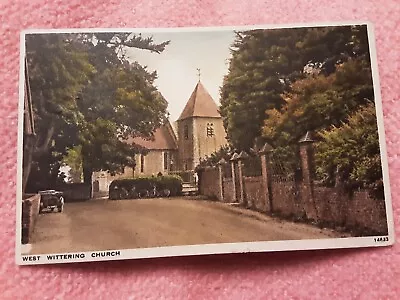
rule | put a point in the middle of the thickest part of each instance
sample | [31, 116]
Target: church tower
[200, 129]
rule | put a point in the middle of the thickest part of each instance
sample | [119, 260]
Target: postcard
[139, 143]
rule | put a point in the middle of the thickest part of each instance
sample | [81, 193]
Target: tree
[318, 102]
[121, 103]
[265, 64]
[73, 159]
[115, 99]
[58, 70]
[225, 152]
[352, 150]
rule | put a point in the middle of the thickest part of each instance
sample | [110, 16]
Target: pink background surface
[362, 273]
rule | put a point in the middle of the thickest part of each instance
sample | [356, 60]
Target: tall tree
[352, 152]
[58, 70]
[120, 102]
[317, 103]
[265, 63]
[85, 92]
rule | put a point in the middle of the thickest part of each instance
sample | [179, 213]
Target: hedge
[142, 184]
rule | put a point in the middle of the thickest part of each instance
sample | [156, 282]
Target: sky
[177, 65]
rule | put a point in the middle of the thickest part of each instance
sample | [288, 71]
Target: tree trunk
[87, 176]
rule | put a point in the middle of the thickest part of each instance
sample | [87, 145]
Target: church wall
[205, 145]
[185, 145]
[153, 163]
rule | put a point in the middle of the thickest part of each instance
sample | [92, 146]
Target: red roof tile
[164, 139]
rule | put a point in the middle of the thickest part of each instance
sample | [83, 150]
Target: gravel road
[105, 225]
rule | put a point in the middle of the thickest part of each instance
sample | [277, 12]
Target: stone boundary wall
[296, 198]
[30, 212]
[76, 192]
[286, 199]
[255, 193]
[228, 190]
[358, 210]
[209, 183]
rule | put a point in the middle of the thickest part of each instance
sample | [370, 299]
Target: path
[106, 225]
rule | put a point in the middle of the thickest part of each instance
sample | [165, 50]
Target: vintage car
[51, 200]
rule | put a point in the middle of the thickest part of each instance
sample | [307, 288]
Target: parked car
[51, 200]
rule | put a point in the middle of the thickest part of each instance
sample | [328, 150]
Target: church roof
[200, 104]
[164, 139]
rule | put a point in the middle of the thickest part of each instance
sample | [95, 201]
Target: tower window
[210, 129]
[186, 132]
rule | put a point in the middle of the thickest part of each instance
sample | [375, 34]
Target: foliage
[317, 102]
[85, 92]
[352, 149]
[283, 83]
[73, 159]
[45, 171]
[118, 105]
[265, 64]
[170, 182]
[225, 152]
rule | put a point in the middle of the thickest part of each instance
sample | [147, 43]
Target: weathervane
[198, 73]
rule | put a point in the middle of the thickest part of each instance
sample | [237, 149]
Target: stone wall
[358, 210]
[286, 198]
[209, 183]
[76, 192]
[185, 144]
[367, 212]
[228, 190]
[331, 204]
[204, 145]
[255, 192]
[297, 197]
[30, 211]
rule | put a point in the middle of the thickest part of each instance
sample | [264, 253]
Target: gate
[190, 181]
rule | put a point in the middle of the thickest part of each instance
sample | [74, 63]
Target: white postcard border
[206, 249]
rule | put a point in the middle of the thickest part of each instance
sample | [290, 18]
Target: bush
[143, 185]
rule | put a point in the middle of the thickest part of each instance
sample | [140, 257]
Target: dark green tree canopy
[285, 82]
[86, 93]
[265, 63]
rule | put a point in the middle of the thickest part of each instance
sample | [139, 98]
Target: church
[177, 147]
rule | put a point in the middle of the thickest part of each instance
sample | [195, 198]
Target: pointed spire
[200, 104]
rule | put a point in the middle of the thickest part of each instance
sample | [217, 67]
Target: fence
[275, 188]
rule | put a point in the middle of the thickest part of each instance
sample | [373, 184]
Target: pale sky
[177, 65]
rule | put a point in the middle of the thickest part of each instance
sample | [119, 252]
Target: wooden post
[233, 160]
[307, 168]
[221, 164]
[265, 152]
[242, 156]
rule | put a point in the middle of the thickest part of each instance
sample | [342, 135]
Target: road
[126, 224]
